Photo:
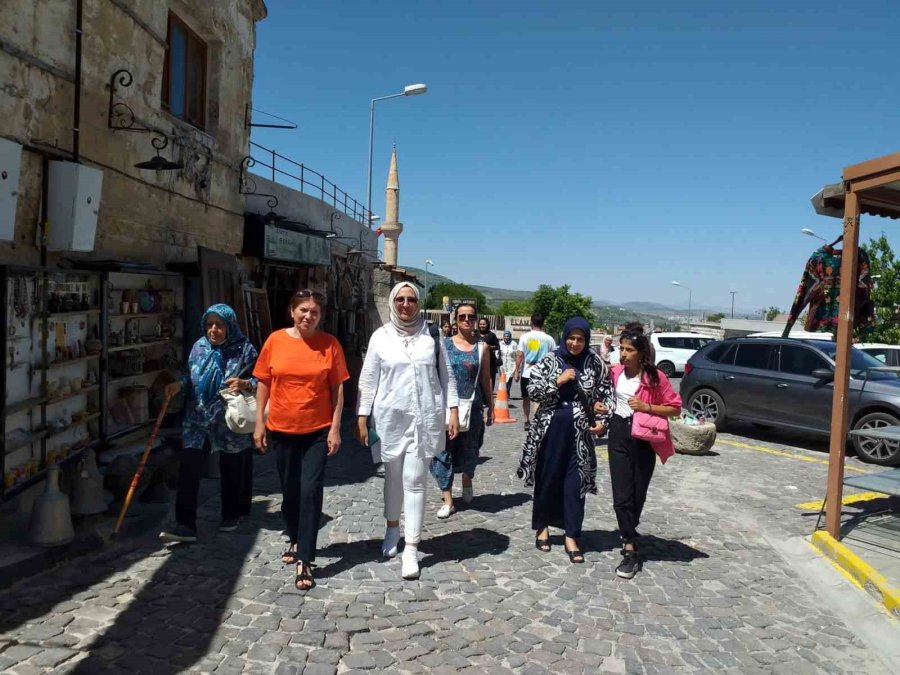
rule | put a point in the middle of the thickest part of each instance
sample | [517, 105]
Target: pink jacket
[661, 394]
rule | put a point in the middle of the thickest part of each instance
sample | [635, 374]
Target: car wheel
[667, 368]
[708, 404]
[873, 450]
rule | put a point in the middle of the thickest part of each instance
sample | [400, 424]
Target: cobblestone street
[715, 594]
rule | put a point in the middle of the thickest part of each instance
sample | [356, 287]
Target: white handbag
[240, 411]
[465, 404]
[240, 408]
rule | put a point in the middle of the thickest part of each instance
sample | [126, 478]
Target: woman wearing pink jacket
[644, 401]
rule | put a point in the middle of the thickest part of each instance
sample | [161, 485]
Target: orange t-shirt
[299, 374]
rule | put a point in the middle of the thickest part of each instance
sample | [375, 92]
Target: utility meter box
[10, 170]
[74, 203]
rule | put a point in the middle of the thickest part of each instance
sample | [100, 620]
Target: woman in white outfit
[406, 387]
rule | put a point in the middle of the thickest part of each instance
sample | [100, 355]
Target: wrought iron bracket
[248, 185]
[120, 116]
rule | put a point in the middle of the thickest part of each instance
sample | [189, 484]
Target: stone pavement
[715, 594]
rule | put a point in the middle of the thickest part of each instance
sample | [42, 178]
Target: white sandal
[410, 564]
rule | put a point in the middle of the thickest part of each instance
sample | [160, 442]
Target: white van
[674, 349]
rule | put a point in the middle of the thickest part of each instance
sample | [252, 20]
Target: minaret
[392, 227]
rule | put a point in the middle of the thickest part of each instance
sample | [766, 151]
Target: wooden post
[839, 407]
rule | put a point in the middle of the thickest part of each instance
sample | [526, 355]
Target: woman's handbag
[649, 427]
[240, 408]
[465, 404]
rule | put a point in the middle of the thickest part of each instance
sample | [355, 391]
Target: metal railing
[309, 181]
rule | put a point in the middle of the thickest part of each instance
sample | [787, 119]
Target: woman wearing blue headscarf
[218, 361]
[558, 457]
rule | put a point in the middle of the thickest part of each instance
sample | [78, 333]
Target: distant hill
[608, 314]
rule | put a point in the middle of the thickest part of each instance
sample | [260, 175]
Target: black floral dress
[594, 381]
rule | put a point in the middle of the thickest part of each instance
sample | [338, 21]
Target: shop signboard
[295, 247]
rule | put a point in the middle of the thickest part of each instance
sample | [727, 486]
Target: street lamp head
[811, 233]
[414, 89]
[675, 283]
[373, 218]
[428, 261]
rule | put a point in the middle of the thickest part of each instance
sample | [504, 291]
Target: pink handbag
[649, 427]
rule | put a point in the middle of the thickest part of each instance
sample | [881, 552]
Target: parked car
[889, 355]
[788, 383]
[674, 349]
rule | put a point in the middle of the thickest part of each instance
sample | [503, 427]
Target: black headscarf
[573, 360]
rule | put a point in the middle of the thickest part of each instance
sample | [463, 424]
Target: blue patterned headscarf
[209, 372]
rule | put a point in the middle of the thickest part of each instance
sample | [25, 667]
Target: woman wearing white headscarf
[405, 386]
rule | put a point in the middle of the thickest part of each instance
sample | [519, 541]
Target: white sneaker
[391, 540]
[410, 567]
[445, 511]
[468, 494]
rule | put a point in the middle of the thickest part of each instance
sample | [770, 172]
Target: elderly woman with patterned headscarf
[558, 458]
[405, 387]
[219, 360]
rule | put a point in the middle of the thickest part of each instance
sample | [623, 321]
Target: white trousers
[404, 487]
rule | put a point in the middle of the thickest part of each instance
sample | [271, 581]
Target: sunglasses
[465, 317]
[308, 293]
[406, 301]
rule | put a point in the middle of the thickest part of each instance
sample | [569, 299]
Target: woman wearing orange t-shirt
[301, 373]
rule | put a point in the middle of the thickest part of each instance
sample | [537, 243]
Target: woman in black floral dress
[558, 458]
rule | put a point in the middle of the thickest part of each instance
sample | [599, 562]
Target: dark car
[788, 383]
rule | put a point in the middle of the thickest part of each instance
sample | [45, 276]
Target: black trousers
[236, 484]
[301, 467]
[557, 485]
[631, 464]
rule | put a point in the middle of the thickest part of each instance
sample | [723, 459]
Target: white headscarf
[403, 327]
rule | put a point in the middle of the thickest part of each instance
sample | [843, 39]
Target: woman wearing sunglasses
[405, 387]
[558, 458]
[644, 402]
[301, 373]
[470, 362]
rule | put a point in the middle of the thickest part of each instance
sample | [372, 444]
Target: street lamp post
[408, 90]
[732, 303]
[427, 263]
[690, 293]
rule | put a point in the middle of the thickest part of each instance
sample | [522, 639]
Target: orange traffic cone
[501, 405]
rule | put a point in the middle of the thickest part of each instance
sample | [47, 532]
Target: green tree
[885, 269]
[772, 312]
[514, 308]
[559, 304]
[437, 292]
[715, 317]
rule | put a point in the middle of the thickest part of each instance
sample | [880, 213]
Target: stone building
[185, 71]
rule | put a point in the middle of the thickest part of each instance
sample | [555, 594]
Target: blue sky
[611, 146]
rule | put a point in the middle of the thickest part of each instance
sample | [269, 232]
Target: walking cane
[137, 474]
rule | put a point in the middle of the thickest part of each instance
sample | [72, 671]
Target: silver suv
[788, 383]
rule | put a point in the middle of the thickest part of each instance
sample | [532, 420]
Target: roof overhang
[876, 184]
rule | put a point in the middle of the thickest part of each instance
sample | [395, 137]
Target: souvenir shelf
[51, 404]
[81, 352]
[142, 345]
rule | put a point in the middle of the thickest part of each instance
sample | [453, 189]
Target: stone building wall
[144, 215]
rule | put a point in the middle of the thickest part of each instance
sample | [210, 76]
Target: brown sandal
[304, 577]
[289, 557]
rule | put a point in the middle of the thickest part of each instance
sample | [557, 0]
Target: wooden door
[220, 281]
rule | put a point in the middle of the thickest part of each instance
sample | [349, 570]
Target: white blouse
[400, 388]
[626, 388]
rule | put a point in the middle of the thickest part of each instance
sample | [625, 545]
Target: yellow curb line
[849, 499]
[864, 574]
[782, 453]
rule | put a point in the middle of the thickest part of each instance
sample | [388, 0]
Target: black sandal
[542, 545]
[289, 557]
[304, 577]
[575, 553]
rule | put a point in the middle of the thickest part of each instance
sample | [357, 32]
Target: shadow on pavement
[171, 622]
[493, 503]
[452, 546]
[650, 546]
